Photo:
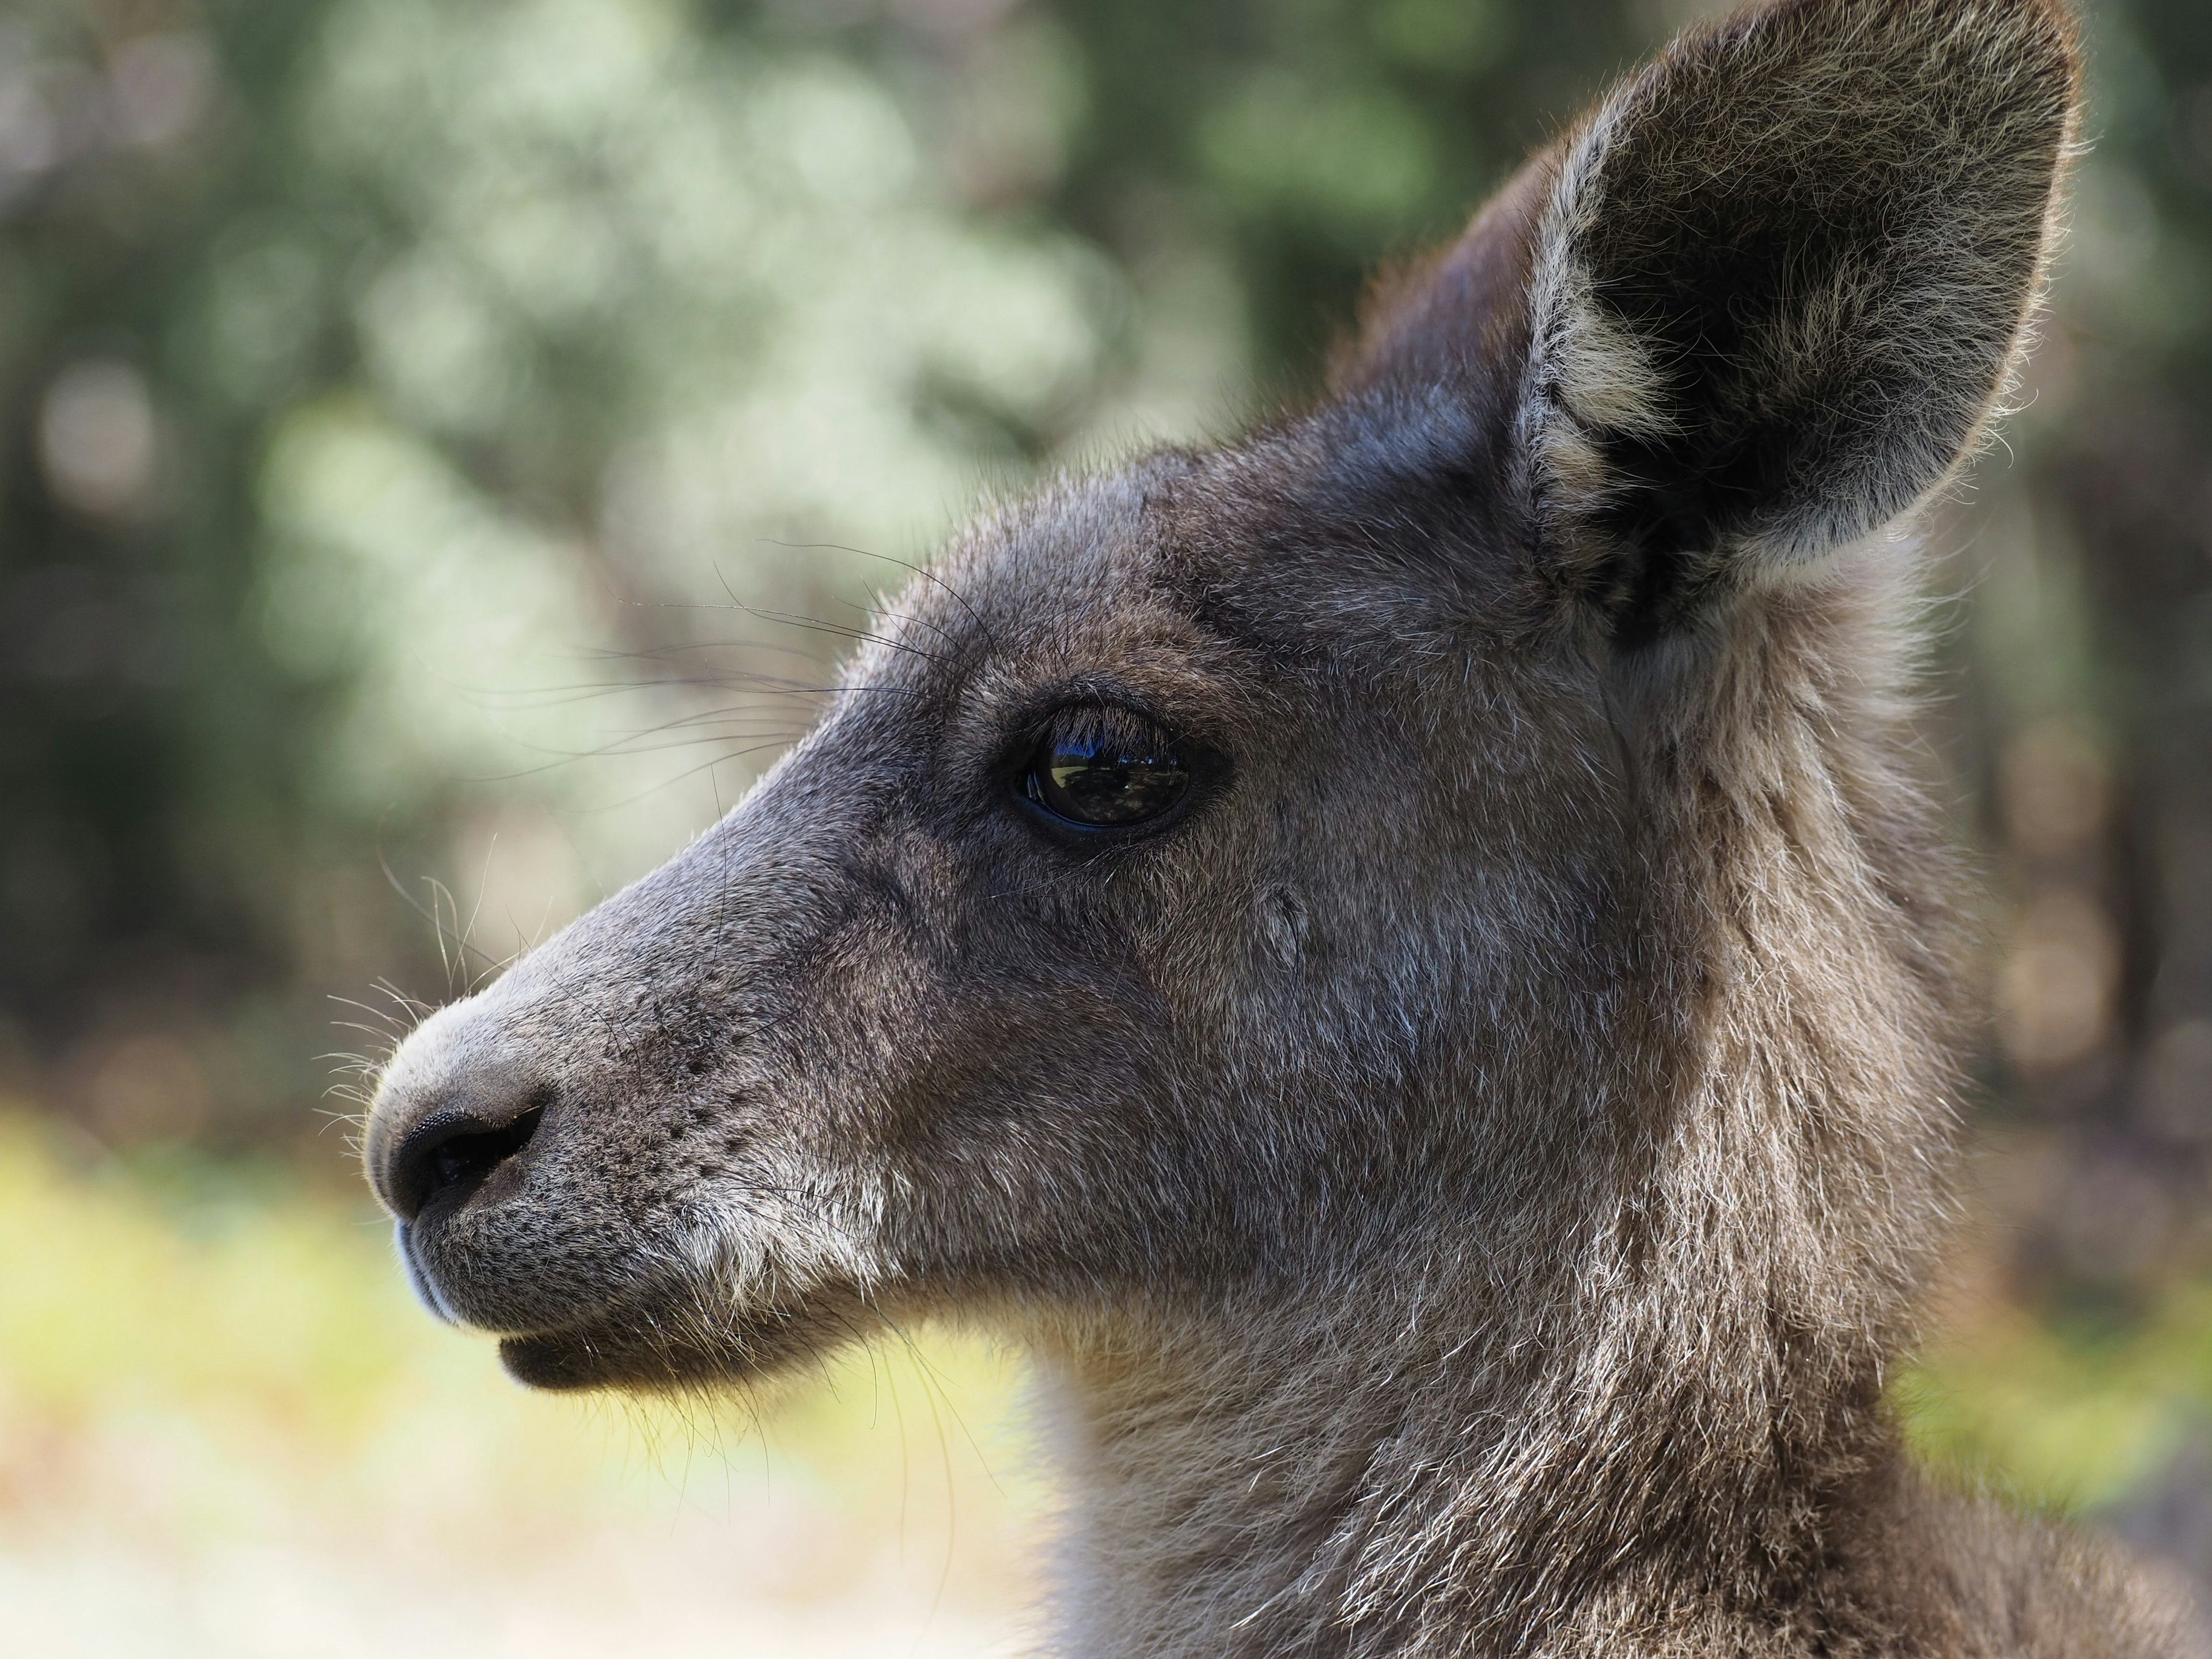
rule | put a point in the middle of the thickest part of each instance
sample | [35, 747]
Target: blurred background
[443, 445]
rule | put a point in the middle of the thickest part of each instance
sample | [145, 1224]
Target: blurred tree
[149, 751]
[2122, 493]
[1321, 138]
[401, 402]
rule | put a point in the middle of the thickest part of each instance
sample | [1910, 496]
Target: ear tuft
[1779, 282]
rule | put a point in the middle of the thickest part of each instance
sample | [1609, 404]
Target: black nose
[447, 1159]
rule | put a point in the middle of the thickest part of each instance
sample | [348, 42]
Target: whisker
[688, 772]
[922, 571]
[391, 876]
[614, 747]
[816, 625]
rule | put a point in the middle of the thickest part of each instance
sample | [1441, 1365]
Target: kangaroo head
[1448, 844]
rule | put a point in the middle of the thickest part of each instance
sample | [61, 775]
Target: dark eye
[1105, 769]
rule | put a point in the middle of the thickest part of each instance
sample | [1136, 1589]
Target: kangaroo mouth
[614, 1305]
[649, 1335]
[633, 1359]
[640, 1349]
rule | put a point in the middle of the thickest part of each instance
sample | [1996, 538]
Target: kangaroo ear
[1762, 302]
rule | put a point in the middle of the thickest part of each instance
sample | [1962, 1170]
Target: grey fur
[1465, 1180]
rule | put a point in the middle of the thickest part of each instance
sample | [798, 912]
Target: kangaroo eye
[1104, 768]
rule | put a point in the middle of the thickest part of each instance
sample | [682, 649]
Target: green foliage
[386, 415]
[2063, 1417]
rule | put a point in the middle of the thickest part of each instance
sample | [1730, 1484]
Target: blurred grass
[2071, 1416]
[211, 1375]
[2094, 1405]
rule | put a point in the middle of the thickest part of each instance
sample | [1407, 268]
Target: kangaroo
[1405, 957]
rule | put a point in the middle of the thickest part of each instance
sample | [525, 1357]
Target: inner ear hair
[1778, 287]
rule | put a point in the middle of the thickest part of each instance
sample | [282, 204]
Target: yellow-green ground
[226, 1430]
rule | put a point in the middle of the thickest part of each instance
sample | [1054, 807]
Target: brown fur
[1466, 1177]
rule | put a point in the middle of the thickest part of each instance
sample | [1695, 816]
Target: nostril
[465, 1159]
[450, 1155]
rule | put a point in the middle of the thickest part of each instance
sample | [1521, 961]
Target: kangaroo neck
[1385, 1477]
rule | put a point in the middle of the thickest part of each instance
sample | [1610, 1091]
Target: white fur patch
[1586, 371]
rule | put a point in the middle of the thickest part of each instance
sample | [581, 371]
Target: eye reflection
[1105, 769]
